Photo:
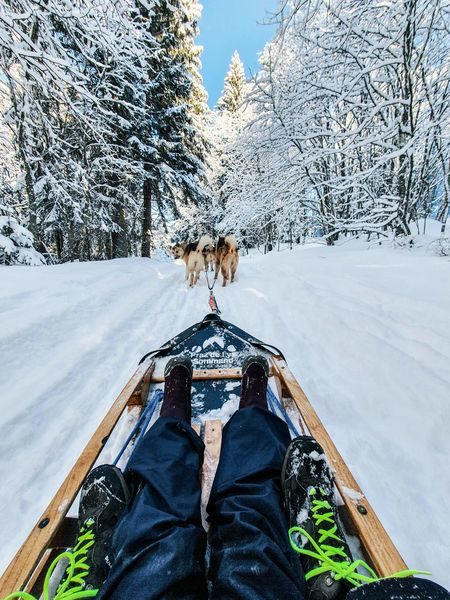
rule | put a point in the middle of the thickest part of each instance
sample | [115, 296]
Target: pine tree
[104, 100]
[16, 242]
[191, 53]
[234, 86]
[226, 125]
[171, 161]
[195, 207]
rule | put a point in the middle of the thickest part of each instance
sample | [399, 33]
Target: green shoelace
[333, 559]
[72, 586]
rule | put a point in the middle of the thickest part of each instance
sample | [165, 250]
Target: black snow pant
[159, 545]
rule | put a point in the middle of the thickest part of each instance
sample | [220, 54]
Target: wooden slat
[38, 575]
[205, 374]
[289, 405]
[374, 538]
[146, 384]
[139, 396]
[28, 556]
[196, 427]
[281, 387]
[213, 442]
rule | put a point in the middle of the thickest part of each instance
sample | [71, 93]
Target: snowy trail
[65, 354]
[367, 333]
[372, 353]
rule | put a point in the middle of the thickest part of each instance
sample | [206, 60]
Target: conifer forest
[109, 149]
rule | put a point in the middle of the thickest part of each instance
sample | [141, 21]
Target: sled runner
[217, 349]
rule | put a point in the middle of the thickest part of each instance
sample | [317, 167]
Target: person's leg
[400, 589]
[250, 552]
[158, 546]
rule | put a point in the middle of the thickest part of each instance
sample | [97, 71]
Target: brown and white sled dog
[209, 252]
[194, 255]
[227, 258]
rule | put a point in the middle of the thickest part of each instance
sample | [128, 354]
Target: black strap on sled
[213, 317]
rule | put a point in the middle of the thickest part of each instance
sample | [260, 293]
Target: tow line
[212, 299]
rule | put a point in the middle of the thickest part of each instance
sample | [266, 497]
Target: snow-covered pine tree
[11, 193]
[193, 208]
[76, 93]
[171, 162]
[226, 125]
[234, 86]
[117, 83]
[29, 69]
[16, 242]
[188, 32]
[102, 166]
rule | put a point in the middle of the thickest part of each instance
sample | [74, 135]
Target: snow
[6, 244]
[354, 495]
[365, 329]
[214, 340]
[16, 243]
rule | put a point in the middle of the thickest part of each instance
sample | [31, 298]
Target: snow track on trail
[366, 332]
[67, 349]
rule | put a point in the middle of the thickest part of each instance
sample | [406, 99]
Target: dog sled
[217, 349]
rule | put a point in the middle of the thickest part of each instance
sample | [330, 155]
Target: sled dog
[227, 258]
[194, 256]
[209, 252]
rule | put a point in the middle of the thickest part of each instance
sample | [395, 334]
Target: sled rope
[141, 424]
[212, 299]
[274, 403]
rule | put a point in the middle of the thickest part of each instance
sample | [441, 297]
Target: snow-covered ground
[366, 329]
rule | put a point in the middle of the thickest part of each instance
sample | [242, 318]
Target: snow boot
[177, 389]
[308, 493]
[255, 373]
[315, 532]
[104, 496]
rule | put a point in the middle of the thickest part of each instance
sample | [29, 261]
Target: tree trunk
[59, 243]
[443, 210]
[29, 175]
[87, 244]
[108, 247]
[70, 242]
[147, 219]
[120, 238]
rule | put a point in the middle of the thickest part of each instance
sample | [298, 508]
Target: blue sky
[229, 25]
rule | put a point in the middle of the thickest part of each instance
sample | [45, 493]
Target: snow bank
[366, 329]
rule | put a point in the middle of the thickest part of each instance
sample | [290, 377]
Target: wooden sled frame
[54, 531]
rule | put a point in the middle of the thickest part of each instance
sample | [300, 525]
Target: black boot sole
[117, 487]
